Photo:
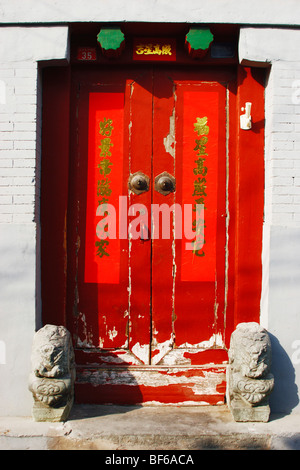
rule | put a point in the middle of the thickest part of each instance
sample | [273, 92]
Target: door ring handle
[138, 183]
[165, 183]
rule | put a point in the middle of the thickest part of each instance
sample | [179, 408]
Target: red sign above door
[154, 49]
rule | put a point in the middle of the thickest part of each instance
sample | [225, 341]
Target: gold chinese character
[156, 49]
[199, 252]
[140, 49]
[104, 166]
[201, 169]
[200, 145]
[199, 225]
[106, 143]
[103, 200]
[201, 126]
[166, 49]
[148, 49]
[101, 247]
[200, 200]
[103, 188]
[200, 187]
[106, 127]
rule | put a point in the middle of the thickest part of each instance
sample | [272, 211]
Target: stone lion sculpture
[249, 380]
[53, 373]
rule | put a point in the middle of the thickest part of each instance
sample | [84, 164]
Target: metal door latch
[165, 183]
[138, 182]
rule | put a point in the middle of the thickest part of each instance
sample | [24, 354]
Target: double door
[148, 222]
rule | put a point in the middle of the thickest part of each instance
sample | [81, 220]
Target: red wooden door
[146, 305]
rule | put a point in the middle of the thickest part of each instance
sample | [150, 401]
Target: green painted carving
[111, 41]
[198, 41]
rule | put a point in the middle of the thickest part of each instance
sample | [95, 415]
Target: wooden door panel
[110, 311]
[163, 253]
[140, 157]
[101, 301]
[202, 166]
[191, 116]
[148, 318]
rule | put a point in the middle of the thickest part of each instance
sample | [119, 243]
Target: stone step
[153, 428]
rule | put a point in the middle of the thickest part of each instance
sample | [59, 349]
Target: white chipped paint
[87, 341]
[179, 403]
[141, 351]
[127, 357]
[163, 348]
[215, 340]
[175, 357]
[112, 333]
[204, 382]
[169, 140]
[211, 381]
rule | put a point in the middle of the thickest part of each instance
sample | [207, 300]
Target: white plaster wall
[20, 133]
[17, 315]
[276, 12]
[284, 316]
[280, 302]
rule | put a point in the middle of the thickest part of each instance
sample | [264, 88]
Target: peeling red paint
[151, 386]
[139, 394]
[216, 356]
[155, 351]
[221, 388]
[186, 373]
[105, 357]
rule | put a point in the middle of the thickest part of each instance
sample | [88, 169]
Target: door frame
[246, 199]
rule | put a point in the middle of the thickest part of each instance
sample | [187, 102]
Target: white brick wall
[20, 116]
[283, 145]
[18, 131]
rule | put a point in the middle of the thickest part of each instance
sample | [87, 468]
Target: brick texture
[283, 144]
[19, 141]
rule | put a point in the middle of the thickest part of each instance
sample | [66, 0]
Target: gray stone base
[41, 412]
[242, 412]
